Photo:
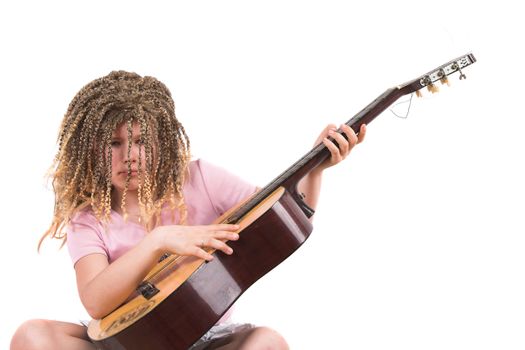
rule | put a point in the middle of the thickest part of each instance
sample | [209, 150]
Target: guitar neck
[318, 154]
[291, 176]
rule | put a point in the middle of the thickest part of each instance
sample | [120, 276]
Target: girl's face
[119, 157]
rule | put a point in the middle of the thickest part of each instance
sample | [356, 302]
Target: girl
[126, 192]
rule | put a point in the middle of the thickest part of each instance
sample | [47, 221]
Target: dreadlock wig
[81, 171]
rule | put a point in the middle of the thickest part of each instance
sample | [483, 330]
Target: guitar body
[269, 234]
[183, 297]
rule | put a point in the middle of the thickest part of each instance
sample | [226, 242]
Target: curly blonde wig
[81, 171]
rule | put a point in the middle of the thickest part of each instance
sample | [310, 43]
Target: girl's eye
[115, 143]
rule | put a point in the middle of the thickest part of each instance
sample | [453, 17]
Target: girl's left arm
[310, 185]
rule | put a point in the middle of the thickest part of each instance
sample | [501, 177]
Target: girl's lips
[133, 173]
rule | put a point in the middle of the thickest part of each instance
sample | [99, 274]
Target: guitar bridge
[147, 289]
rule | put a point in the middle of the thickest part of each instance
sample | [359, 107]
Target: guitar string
[409, 101]
[169, 262]
[171, 259]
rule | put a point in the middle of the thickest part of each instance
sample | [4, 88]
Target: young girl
[126, 192]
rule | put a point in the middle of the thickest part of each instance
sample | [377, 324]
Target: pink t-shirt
[209, 192]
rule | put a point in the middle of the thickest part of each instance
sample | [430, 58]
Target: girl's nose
[133, 154]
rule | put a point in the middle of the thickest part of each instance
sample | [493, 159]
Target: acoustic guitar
[182, 297]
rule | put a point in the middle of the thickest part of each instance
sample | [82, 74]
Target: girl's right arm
[103, 287]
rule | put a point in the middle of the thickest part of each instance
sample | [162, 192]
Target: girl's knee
[267, 338]
[32, 335]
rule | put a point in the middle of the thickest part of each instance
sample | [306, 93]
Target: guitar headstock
[441, 74]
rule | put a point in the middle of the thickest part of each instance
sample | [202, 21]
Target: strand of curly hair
[81, 170]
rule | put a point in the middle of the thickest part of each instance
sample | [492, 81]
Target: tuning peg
[444, 81]
[456, 66]
[432, 88]
[443, 77]
[461, 75]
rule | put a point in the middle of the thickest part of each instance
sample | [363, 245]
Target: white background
[419, 236]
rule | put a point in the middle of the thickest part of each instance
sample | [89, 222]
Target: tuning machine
[432, 88]
[425, 81]
[443, 77]
[455, 67]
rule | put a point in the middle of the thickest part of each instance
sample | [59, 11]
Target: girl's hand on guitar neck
[345, 144]
[310, 185]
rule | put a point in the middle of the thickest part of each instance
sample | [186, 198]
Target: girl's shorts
[219, 331]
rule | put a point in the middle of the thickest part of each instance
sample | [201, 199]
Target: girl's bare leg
[56, 335]
[47, 334]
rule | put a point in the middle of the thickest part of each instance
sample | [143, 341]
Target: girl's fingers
[202, 254]
[362, 133]
[350, 134]
[220, 245]
[230, 236]
[199, 250]
[329, 127]
[223, 227]
[334, 151]
[324, 134]
[345, 139]
[216, 241]
[344, 145]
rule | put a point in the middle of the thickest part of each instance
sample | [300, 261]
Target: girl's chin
[132, 187]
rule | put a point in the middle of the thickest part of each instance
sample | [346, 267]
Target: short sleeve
[225, 189]
[84, 237]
